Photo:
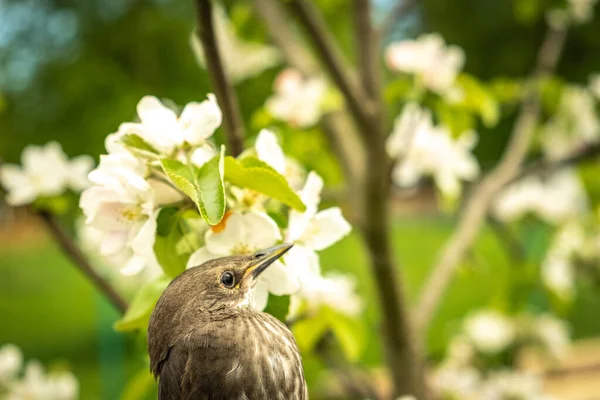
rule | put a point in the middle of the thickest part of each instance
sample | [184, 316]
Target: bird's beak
[262, 259]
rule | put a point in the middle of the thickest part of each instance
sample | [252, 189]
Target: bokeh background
[72, 70]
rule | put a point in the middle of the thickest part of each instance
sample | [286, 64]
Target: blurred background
[72, 71]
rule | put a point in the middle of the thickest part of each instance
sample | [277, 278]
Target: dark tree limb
[72, 251]
[367, 45]
[232, 118]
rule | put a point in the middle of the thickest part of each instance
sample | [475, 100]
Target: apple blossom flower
[503, 385]
[245, 233]
[162, 128]
[435, 65]
[454, 382]
[11, 361]
[241, 59]
[581, 10]
[46, 171]
[122, 204]
[489, 331]
[553, 334]
[37, 385]
[555, 199]
[268, 150]
[297, 100]
[424, 149]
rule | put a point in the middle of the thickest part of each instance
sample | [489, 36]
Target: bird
[207, 342]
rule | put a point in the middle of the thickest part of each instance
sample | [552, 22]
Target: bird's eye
[259, 255]
[227, 279]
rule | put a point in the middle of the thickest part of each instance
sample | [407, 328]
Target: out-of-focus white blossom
[37, 385]
[581, 10]
[426, 150]
[506, 385]
[435, 64]
[246, 233]
[555, 199]
[574, 125]
[11, 361]
[162, 128]
[553, 334]
[45, 171]
[268, 150]
[241, 59]
[489, 331]
[456, 382]
[557, 270]
[297, 100]
[595, 85]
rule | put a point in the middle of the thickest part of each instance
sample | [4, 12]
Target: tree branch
[480, 201]
[401, 8]
[232, 119]
[357, 99]
[367, 45]
[81, 262]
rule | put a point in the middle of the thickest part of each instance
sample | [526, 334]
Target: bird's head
[221, 283]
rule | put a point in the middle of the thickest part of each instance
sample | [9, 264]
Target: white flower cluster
[45, 172]
[33, 383]
[128, 191]
[241, 59]
[247, 228]
[581, 10]
[297, 100]
[423, 149]
[434, 64]
[555, 199]
[488, 333]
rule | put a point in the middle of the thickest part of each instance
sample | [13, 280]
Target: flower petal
[328, 227]
[200, 120]
[202, 154]
[134, 265]
[199, 257]
[280, 279]
[269, 151]
[261, 296]
[224, 243]
[260, 231]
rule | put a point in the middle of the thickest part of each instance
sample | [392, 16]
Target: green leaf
[176, 238]
[350, 333]
[254, 174]
[138, 313]
[308, 332]
[203, 185]
[210, 186]
[278, 306]
[137, 144]
[479, 99]
[140, 386]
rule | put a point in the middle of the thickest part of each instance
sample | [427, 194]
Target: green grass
[54, 314]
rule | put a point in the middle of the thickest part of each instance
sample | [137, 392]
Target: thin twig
[80, 261]
[479, 202]
[508, 240]
[401, 8]
[344, 77]
[232, 118]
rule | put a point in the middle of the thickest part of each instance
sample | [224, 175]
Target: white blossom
[37, 385]
[162, 128]
[11, 361]
[268, 150]
[581, 10]
[553, 334]
[241, 59]
[506, 385]
[245, 233]
[122, 205]
[297, 100]
[574, 125]
[435, 65]
[45, 171]
[489, 331]
[555, 199]
[426, 150]
[456, 383]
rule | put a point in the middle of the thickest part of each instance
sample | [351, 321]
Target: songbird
[207, 342]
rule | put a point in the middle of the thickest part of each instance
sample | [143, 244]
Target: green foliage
[136, 144]
[479, 99]
[138, 313]
[139, 386]
[177, 236]
[203, 185]
[278, 306]
[254, 174]
[529, 11]
[551, 89]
